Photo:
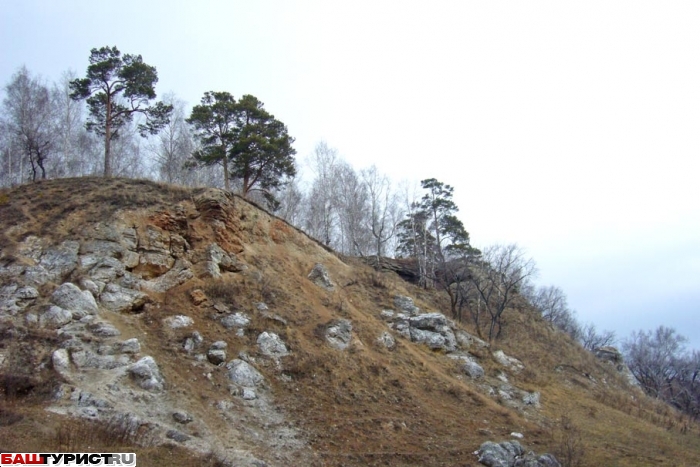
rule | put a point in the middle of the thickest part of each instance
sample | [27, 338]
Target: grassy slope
[364, 406]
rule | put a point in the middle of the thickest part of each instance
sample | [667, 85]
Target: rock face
[431, 329]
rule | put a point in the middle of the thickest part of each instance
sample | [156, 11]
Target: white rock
[236, 320]
[387, 340]
[271, 345]
[178, 321]
[146, 374]
[55, 317]
[243, 374]
[80, 303]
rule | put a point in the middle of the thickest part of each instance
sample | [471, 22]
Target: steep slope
[190, 324]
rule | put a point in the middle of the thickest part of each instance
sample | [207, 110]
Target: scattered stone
[532, 398]
[105, 269]
[517, 435]
[243, 374]
[235, 320]
[473, 369]
[182, 417]
[319, 276]
[198, 297]
[129, 346]
[193, 341]
[249, 394]
[221, 308]
[387, 315]
[60, 361]
[103, 329]
[176, 435]
[260, 306]
[178, 321]
[499, 455]
[121, 299]
[339, 334]
[146, 374]
[271, 345]
[513, 363]
[80, 303]
[467, 341]
[55, 317]
[27, 293]
[216, 353]
[387, 340]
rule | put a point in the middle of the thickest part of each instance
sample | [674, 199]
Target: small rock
[513, 363]
[176, 435]
[236, 320]
[80, 303]
[271, 345]
[339, 334]
[532, 398]
[129, 346]
[178, 321]
[193, 341]
[103, 329]
[216, 356]
[319, 276]
[146, 374]
[406, 305]
[387, 340]
[182, 417]
[260, 306]
[473, 369]
[198, 297]
[55, 317]
[249, 394]
[243, 374]
[517, 435]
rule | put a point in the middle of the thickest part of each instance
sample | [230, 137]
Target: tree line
[108, 123]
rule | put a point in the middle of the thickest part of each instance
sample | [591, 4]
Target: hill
[197, 329]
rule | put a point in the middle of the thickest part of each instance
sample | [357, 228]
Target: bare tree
[503, 269]
[174, 145]
[29, 119]
[654, 358]
[321, 219]
[384, 209]
[591, 339]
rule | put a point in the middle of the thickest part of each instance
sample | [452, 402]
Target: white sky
[570, 128]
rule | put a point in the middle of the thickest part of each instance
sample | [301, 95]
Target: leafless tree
[497, 278]
[173, 146]
[592, 339]
[384, 210]
[29, 119]
[321, 220]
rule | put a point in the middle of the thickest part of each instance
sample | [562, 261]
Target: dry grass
[364, 406]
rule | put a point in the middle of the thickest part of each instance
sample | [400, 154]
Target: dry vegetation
[364, 406]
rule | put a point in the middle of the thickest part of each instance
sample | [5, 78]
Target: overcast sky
[571, 128]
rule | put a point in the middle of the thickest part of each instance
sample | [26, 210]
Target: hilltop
[194, 327]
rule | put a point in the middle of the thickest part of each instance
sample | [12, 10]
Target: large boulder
[80, 303]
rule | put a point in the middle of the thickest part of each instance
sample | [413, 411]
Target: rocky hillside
[197, 329]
